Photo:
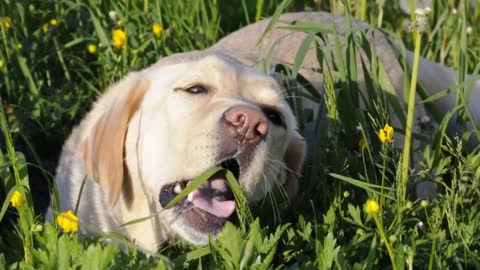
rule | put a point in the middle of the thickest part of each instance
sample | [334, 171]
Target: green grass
[48, 83]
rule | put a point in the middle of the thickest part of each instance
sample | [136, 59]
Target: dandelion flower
[421, 20]
[405, 4]
[68, 221]
[53, 22]
[157, 29]
[19, 46]
[6, 23]
[119, 38]
[386, 134]
[45, 27]
[92, 48]
[17, 199]
[372, 207]
[1, 63]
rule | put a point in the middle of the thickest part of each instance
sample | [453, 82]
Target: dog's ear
[294, 157]
[103, 149]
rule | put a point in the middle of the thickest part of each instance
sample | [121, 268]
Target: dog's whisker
[278, 162]
[271, 198]
[280, 173]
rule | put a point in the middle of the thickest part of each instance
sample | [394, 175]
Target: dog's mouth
[208, 207]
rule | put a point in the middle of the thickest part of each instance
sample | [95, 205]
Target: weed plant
[357, 208]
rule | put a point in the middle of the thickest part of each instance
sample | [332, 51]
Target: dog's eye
[196, 89]
[274, 116]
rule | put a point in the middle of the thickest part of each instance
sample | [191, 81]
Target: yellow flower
[45, 27]
[362, 144]
[372, 207]
[386, 134]
[157, 29]
[68, 221]
[392, 238]
[1, 63]
[53, 22]
[92, 48]
[424, 203]
[119, 38]
[19, 45]
[17, 199]
[6, 23]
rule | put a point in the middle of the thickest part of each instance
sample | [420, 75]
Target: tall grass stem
[410, 113]
[390, 250]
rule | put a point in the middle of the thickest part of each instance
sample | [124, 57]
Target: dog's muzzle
[208, 207]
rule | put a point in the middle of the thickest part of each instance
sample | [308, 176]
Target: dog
[157, 129]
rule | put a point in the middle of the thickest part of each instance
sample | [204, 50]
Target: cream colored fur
[172, 135]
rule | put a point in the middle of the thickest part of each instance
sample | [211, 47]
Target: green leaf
[301, 53]
[307, 27]
[243, 210]
[363, 185]
[371, 254]
[354, 212]
[274, 19]
[327, 252]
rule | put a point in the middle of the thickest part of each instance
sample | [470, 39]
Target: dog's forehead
[222, 72]
[252, 82]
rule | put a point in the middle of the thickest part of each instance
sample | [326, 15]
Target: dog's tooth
[190, 197]
[177, 189]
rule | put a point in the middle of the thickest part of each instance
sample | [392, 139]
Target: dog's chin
[205, 210]
[195, 229]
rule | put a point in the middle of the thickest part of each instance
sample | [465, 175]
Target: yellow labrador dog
[157, 129]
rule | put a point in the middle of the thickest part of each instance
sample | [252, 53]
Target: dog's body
[159, 128]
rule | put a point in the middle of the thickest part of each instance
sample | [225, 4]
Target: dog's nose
[246, 123]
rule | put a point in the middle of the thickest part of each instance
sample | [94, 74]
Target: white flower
[419, 225]
[425, 119]
[421, 20]
[405, 5]
[469, 30]
[112, 14]
[420, 12]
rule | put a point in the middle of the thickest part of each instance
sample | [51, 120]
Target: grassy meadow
[357, 208]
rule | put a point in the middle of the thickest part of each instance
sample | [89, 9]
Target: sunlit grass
[56, 57]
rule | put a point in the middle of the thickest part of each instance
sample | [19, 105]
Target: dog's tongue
[207, 197]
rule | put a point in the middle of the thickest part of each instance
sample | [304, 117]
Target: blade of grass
[363, 185]
[243, 211]
[274, 19]
[301, 53]
[191, 187]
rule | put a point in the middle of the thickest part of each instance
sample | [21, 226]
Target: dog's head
[180, 117]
